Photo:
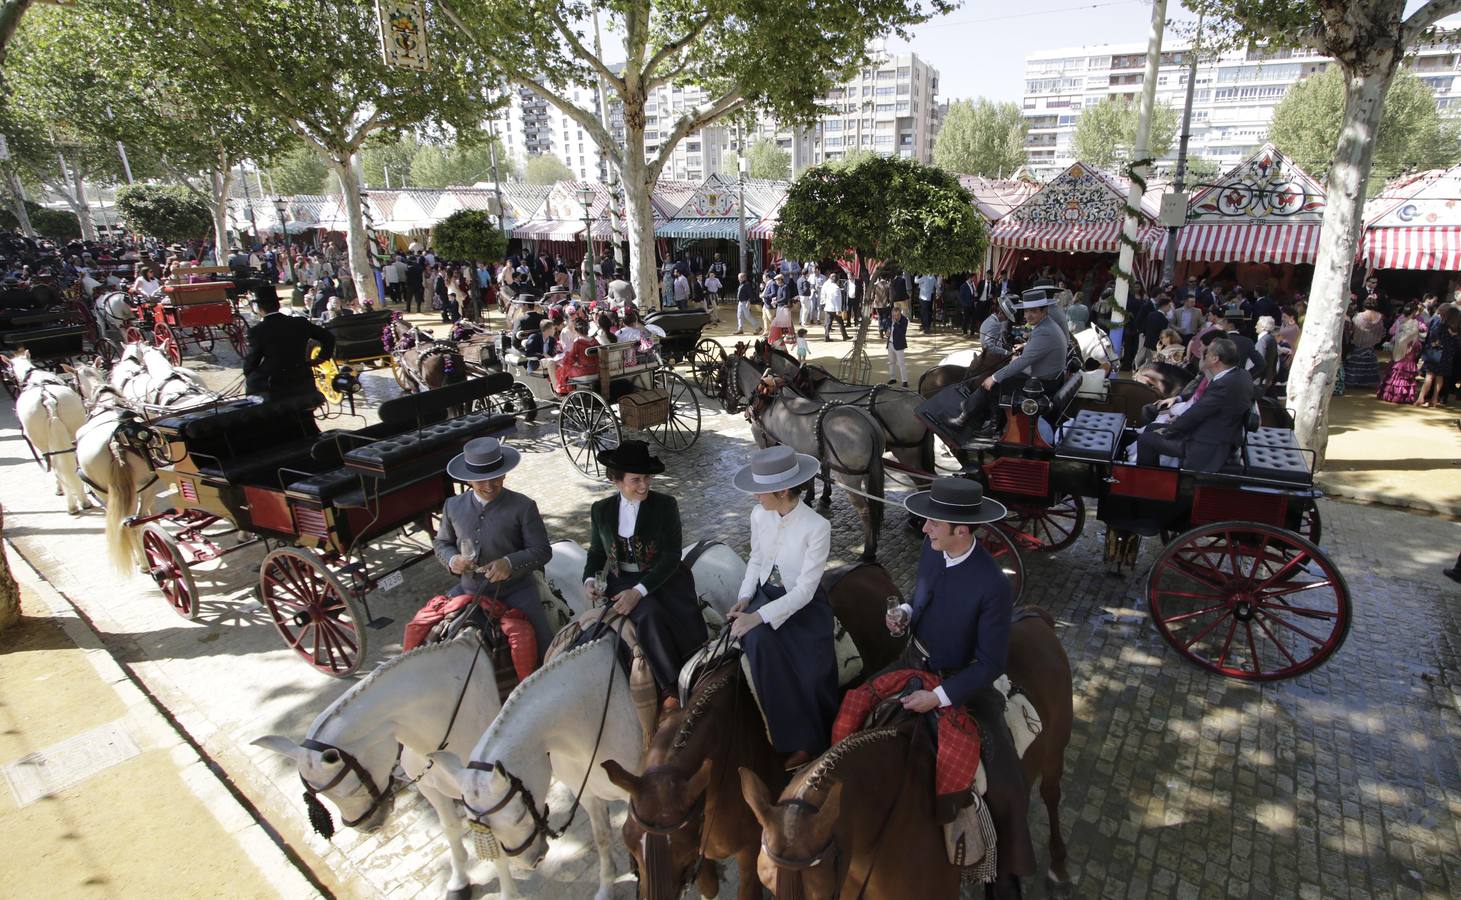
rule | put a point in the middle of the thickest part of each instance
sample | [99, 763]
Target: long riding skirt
[668, 622]
[795, 671]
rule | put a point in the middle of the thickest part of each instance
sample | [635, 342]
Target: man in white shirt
[831, 293]
[682, 290]
[393, 278]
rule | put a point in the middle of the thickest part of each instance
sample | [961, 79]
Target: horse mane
[709, 690]
[390, 665]
[820, 774]
[515, 700]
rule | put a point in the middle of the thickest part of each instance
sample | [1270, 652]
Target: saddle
[642, 689]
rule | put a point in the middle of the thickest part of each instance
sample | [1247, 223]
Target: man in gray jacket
[492, 537]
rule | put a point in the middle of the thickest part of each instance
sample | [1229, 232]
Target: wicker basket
[645, 409]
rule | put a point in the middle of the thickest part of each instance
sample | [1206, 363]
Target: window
[886, 75]
[692, 147]
[886, 91]
[832, 141]
[885, 140]
[832, 125]
[905, 140]
[883, 108]
[903, 106]
[902, 89]
[904, 71]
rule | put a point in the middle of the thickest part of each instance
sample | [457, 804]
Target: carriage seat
[245, 441]
[53, 341]
[429, 445]
[360, 336]
[326, 486]
[1272, 454]
[1065, 397]
[1091, 436]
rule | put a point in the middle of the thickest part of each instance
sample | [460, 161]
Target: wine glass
[897, 618]
[601, 583]
[467, 547]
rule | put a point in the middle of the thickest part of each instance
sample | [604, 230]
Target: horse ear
[757, 796]
[700, 780]
[621, 777]
[65, 367]
[280, 745]
[450, 763]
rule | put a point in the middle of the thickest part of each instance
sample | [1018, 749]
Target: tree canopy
[462, 162]
[1412, 135]
[1105, 134]
[166, 212]
[301, 171]
[883, 208]
[766, 160]
[469, 235]
[545, 169]
[980, 137]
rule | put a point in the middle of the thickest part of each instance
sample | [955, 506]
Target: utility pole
[1169, 261]
[496, 177]
[1139, 152]
[249, 203]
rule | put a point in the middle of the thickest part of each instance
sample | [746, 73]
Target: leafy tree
[1367, 39]
[884, 208]
[545, 169]
[300, 171]
[851, 158]
[1412, 135]
[729, 48]
[766, 160]
[1105, 133]
[460, 163]
[166, 212]
[314, 66]
[396, 154]
[54, 224]
[469, 235]
[980, 137]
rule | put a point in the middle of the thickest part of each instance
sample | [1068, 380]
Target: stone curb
[1380, 498]
[280, 870]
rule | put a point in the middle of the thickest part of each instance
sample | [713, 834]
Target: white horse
[116, 468]
[113, 312]
[559, 724]
[145, 378]
[717, 569]
[350, 750]
[50, 413]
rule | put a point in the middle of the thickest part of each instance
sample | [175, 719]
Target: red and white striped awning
[549, 230]
[1426, 247]
[1066, 237]
[763, 230]
[1289, 242]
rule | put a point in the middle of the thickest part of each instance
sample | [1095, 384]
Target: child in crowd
[801, 346]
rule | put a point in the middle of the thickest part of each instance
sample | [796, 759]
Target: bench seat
[1091, 436]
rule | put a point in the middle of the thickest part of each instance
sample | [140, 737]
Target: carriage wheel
[168, 566]
[238, 334]
[1249, 600]
[167, 340]
[399, 373]
[707, 366]
[1006, 554]
[203, 338]
[682, 429]
[317, 616]
[107, 352]
[1046, 529]
[1309, 527]
[517, 400]
[325, 374]
[132, 335]
[8, 379]
[78, 314]
[586, 425]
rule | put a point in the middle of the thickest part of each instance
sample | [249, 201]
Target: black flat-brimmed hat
[632, 457]
[958, 501]
[483, 459]
[775, 469]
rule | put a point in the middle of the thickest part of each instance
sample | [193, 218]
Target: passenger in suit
[278, 361]
[1204, 436]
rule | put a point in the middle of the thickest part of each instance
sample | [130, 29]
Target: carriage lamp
[1030, 406]
[346, 381]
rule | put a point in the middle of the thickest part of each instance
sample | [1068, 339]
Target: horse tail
[121, 488]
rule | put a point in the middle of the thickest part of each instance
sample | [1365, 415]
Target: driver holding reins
[1043, 359]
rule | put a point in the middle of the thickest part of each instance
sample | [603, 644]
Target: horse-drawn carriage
[56, 331]
[682, 343]
[188, 314]
[1240, 587]
[360, 345]
[266, 473]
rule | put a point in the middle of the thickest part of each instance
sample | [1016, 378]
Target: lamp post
[585, 194]
[281, 206]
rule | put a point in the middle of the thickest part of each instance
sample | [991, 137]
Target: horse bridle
[350, 765]
[656, 832]
[541, 827]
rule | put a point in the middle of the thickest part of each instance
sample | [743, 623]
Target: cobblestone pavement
[1342, 783]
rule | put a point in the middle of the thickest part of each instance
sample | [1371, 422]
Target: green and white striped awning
[725, 229]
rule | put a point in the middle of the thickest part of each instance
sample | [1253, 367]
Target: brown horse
[880, 840]
[425, 363]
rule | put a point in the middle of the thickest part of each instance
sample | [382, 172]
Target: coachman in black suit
[1204, 436]
[278, 362]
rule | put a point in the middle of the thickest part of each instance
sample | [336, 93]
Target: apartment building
[1233, 100]
[531, 126]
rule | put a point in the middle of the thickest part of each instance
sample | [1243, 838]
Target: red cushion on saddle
[514, 624]
[958, 735]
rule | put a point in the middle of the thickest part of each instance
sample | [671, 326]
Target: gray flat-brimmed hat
[775, 469]
[483, 459]
[959, 501]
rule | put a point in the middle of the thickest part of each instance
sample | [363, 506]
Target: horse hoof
[462, 893]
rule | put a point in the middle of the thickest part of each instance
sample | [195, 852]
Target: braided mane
[711, 689]
[345, 699]
[819, 775]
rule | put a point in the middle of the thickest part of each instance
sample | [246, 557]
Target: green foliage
[395, 153]
[300, 171]
[546, 169]
[730, 164]
[980, 137]
[766, 160]
[55, 224]
[469, 235]
[166, 212]
[461, 163]
[851, 158]
[8, 220]
[1412, 135]
[1105, 134]
[885, 208]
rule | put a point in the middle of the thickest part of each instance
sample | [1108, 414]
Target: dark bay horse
[844, 438]
[425, 362]
[859, 821]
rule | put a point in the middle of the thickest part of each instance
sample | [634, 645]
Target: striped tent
[1081, 210]
[1415, 223]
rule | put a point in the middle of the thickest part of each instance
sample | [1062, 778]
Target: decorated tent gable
[1079, 194]
[1267, 186]
[715, 198]
[1432, 198]
[564, 203]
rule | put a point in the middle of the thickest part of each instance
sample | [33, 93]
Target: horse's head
[89, 381]
[20, 363]
[511, 804]
[798, 859]
[663, 830]
[356, 778]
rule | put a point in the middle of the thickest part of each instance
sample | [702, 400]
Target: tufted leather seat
[1065, 396]
[435, 443]
[1092, 436]
[327, 486]
[1272, 454]
[360, 336]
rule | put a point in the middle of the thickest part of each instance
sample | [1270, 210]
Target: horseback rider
[1043, 359]
[783, 617]
[960, 620]
[635, 543]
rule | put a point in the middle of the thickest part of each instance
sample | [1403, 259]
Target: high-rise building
[1233, 101]
[531, 126]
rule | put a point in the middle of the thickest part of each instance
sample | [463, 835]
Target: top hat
[632, 457]
[775, 469]
[483, 459]
[958, 501]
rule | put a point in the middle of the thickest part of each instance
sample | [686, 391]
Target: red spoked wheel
[318, 617]
[203, 338]
[168, 566]
[238, 333]
[1045, 529]
[1249, 601]
[166, 340]
[133, 335]
[1004, 551]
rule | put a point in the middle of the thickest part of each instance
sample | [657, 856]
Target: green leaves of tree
[979, 137]
[1105, 134]
[545, 169]
[767, 160]
[166, 212]
[469, 235]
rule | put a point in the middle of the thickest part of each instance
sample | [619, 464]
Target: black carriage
[682, 343]
[54, 331]
[265, 473]
[360, 346]
[1240, 588]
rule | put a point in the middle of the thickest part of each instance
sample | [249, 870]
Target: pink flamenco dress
[1399, 385]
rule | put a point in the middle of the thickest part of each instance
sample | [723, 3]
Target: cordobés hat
[958, 501]
[482, 459]
[775, 469]
[632, 457]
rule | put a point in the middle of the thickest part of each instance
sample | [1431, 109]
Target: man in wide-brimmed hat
[1042, 359]
[493, 537]
[959, 619]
